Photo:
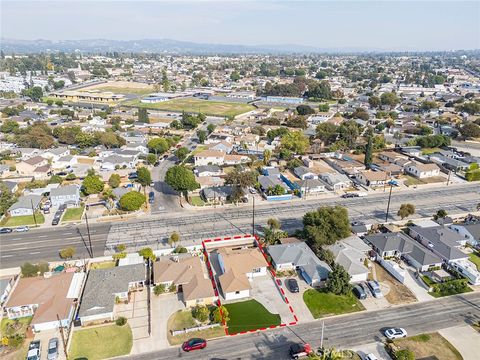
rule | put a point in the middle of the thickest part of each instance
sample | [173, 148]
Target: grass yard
[72, 214]
[125, 90]
[428, 151]
[196, 201]
[103, 265]
[183, 319]
[399, 293]
[429, 346]
[216, 108]
[101, 342]
[249, 315]
[475, 258]
[199, 148]
[14, 221]
[323, 304]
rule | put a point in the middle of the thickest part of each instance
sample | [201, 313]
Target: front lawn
[429, 346]
[14, 331]
[72, 214]
[183, 319]
[196, 201]
[323, 304]
[249, 315]
[101, 342]
[14, 221]
[103, 265]
[475, 258]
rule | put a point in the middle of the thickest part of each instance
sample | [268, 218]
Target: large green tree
[326, 225]
[7, 199]
[181, 179]
[389, 99]
[144, 176]
[338, 281]
[158, 145]
[327, 132]
[296, 142]
[132, 201]
[92, 184]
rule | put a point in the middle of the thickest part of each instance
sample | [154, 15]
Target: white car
[395, 333]
[370, 357]
[22, 228]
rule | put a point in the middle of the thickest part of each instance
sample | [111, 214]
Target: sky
[382, 25]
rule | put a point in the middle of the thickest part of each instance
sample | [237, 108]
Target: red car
[194, 344]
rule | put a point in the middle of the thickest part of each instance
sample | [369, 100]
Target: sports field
[122, 87]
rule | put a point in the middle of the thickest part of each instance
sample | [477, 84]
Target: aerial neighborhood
[162, 203]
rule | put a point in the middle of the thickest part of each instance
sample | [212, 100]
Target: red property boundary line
[271, 271]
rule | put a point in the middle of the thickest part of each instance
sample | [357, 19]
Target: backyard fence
[197, 328]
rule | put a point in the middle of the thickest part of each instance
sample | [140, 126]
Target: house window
[257, 270]
[237, 292]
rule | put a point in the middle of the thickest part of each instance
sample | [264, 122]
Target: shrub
[132, 201]
[201, 313]
[67, 253]
[180, 250]
[121, 321]
[404, 354]
[159, 289]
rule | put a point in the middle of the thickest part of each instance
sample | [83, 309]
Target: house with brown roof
[239, 267]
[422, 171]
[27, 167]
[188, 275]
[372, 178]
[209, 157]
[45, 298]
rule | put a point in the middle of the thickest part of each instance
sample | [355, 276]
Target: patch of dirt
[398, 293]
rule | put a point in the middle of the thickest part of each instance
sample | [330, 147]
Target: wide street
[341, 332]
[197, 224]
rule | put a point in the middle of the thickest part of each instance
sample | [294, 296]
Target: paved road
[340, 332]
[166, 199]
[195, 225]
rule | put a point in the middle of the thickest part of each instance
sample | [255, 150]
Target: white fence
[197, 328]
[393, 268]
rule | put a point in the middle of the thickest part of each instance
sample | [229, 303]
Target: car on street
[370, 357]
[52, 349]
[374, 287]
[300, 351]
[350, 195]
[359, 292]
[395, 333]
[34, 350]
[55, 221]
[292, 285]
[194, 344]
[151, 197]
[22, 228]
[5, 230]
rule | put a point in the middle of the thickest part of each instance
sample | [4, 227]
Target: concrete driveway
[296, 299]
[266, 292]
[373, 303]
[376, 348]
[44, 337]
[465, 339]
[416, 286]
[163, 307]
[136, 312]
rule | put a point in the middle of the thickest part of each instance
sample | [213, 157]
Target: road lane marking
[6, 256]
[35, 253]
[42, 236]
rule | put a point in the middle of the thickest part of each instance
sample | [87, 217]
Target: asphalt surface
[196, 225]
[341, 332]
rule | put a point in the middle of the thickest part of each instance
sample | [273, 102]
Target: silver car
[52, 349]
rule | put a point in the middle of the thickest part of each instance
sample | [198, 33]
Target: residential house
[346, 165]
[188, 274]
[208, 170]
[65, 162]
[471, 232]
[238, 267]
[216, 137]
[372, 178]
[4, 171]
[336, 181]
[6, 285]
[25, 205]
[236, 159]
[55, 153]
[304, 173]
[114, 162]
[68, 195]
[310, 186]
[422, 171]
[46, 299]
[223, 146]
[217, 193]
[351, 254]
[105, 287]
[394, 158]
[28, 166]
[449, 163]
[209, 157]
[299, 256]
[26, 153]
[270, 181]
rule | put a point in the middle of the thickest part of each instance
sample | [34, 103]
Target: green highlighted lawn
[72, 214]
[475, 258]
[196, 201]
[207, 107]
[249, 315]
[101, 342]
[14, 221]
[323, 304]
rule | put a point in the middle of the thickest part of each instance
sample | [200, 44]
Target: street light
[389, 197]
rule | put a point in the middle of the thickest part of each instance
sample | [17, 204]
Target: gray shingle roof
[65, 190]
[25, 202]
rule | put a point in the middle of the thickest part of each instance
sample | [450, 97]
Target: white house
[471, 232]
[422, 171]
[336, 181]
[209, 157]
[68, 195]
[351, 254]
[304, 173]
[25, 205]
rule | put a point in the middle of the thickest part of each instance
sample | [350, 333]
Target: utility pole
[64, 341]
[33, 212]
[321, 338]
[448, 180]
[253, 216]
[388, 206]
[89, 238]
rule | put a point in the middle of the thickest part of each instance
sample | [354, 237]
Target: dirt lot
[122, 87]
[429, 345]
[399, 293]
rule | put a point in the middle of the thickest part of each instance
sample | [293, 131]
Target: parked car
[395, 333]
[34, 350]
[132, 176]
[151, 197]
[359, 292]
[62, 208]
[375, 288]
[370, 357]
[194, 344]
[55, 221]
[129, 185]
[292, 285]
[300, 351]
[252, 190]
[46, 210]
[22, 228]
[349, 195]
[5, 230]
[52, 349]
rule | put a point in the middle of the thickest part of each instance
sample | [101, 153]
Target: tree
[389, 99]
[276, 190]
[470, 130]
[326, 255]
[210, 128]
[202, 136]
[349, 132]
[296, 122]
[114, 181]
[326, 225]
[323, 107]
[428, 105]
[151, 159]
[67, 253]
[327, 132]
[143, 115]
[158, 145]
[144, 176]
[173, 239]
[368, 152]
[217, 314]
[273, 223]
[9, 126]
[267, 155]
[7, 199]
[240, 178]
[55, 179]
[406, 210]
[159, 289]
[182, 153]
[35, 93]
[234, 76]
[296, 142]
[305, 110]
[320, 90]
[147, 254]
[374, 101]
[92, 184]
[360, 113]
[440, 214]
[181, 179]
[132, 201]
[201, 313]
[338, 281]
